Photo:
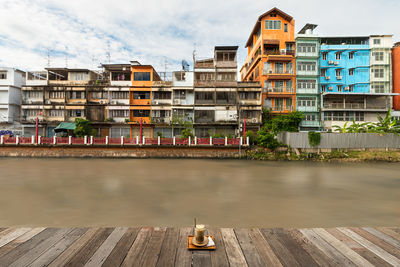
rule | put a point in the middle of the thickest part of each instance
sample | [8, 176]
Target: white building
[11, 81]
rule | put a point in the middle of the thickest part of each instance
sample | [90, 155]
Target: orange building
[271, 60]
[396, 75]
[140, 99]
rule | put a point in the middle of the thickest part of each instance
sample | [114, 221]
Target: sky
[87, 33]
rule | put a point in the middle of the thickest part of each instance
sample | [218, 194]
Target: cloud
[81, 32]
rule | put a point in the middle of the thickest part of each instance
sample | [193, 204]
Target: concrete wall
[342, 140]
[119, 152]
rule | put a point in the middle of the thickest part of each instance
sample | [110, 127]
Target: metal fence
[342, 140]
[124, 141]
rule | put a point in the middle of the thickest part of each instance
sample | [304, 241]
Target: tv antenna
[165, 67]
[108, 52]
[194, 53]
[48, 58]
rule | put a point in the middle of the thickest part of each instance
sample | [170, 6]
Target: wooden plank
[285, 257]
[232, 248]
[201, 258]
[105, 249]
[342, 248]
[218, 256]
[390, 232]
[377, 241]
[248, 248]
[53, 252]
[168, 248]
[40, 248]
[19, 240]
[87, 251]
[372, 247]
[7, 231]
[119, 252]
[152, 252]
[72, 250]
[387, 238]
[329, 250]
[264, 249]
[135, 253]
[320, 257]
[183, 255]
[365, 253]
[25, 247]
[301, 255]
[10, 236]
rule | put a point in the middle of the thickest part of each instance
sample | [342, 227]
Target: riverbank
[332, 156]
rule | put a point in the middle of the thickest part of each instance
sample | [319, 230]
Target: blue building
[345, 82]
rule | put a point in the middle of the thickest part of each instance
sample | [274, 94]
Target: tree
[285, 123]
[83, 128]
[188, 130]
[267, 139]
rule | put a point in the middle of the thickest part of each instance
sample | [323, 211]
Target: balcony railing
[279, 53]
[279, 90]
[282, 108]
[280, 72]
[354, 106]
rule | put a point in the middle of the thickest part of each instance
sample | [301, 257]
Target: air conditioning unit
[177, 101]
[327, 77]
[283, 51]
[339, 77]
[155, 102]
[330, 88]
[336, 63]
[330, 62]
[254, 120]
[347, 88]
[102, 102]
[270, 71]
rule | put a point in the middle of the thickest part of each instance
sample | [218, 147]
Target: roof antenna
[48, 57]
[108, 52]
[194, 53]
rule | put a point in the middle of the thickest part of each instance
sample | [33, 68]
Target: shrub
[314, 138]
[267, 139]
[252, 138]
[83, 128]
[285, 123]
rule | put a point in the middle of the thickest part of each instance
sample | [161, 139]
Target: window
[278, 67]
[120, 95]
[351, 55]
[161, 113]
[323, 88]
[311, 117]
[273, 24]
[339, 88]
[75, 113]
[279, 84]
[323, 72]
[285, 27]
[307, 102]
[378, 56]
[343, 116]
[338, 72]
[338, 55]
[3, 75]
[289, 67]
[119, 113]
[306, 48]
[34, 94]
[289, 47]
[78, 76]
[325, 56]
[351, 72]
[377, 41]
[306, 66]
[378, 73]
[162, 95]
[378, 88]
[306, 84]
[289, 85]
[141, 95]
[77, 95]
[141, 113]
[141, 76]
[351, 88]
[56, 113]
[31, 112]
[209, 96]
[180, 94]
[249, 95]
[120, 76]
[98, 95]
[230, 76]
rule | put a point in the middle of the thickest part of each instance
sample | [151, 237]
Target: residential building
[61, 94]
[354, 81]
[271, 60]
[218, 109]
[11, 81]
[307, 78]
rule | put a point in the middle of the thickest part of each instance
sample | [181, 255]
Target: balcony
[313, 91]
[278, 74]
[310, 124]
[355, 106]
[307, 109]
[161, 120]
[282, 109]
[280, 90]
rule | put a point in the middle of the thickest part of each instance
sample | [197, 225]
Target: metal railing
[279, 90]
[353, 106]
[122, 141]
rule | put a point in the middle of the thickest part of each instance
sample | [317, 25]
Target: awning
[65, 126]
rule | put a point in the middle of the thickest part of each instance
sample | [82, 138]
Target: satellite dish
[185, 65]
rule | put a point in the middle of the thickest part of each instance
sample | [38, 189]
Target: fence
[342, 140]
[123, 141]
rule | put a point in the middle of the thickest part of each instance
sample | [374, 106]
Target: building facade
[271, 60]
[308, 97]
[11, 81]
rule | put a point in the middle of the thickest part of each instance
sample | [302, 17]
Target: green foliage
[314, 138]
[267, 139]
[252, 137]
[108, 120]
[218, 136]
[160, 134]
[285, 123]
[126, 120]
[388, 124]
[83, 128]
[266, 115]
[188, 130]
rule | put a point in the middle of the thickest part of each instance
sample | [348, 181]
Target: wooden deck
[149, 246]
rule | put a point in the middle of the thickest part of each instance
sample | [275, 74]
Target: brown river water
[221, 193]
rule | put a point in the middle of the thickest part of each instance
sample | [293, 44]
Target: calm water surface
[129, 192]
